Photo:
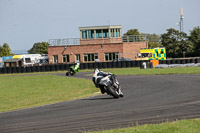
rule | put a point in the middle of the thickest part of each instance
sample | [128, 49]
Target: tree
[176, 43]
[5, 50]
[154, 40]
[132, 32]
[39, 48]
[195, 39]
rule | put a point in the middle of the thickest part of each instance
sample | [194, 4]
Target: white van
[1, 63]
[31, 59]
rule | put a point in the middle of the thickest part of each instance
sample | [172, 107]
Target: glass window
[84, 34]
[77, 57]
[90, 57]
[90, 33]
[98, 34]
[112, 32]
[117, 32]
[95, 56]
[116, 35]
[85, 57]
[55, 58]
[105, 33]
[111, 56]
[65, 58]
[106, 56]
[28, 60]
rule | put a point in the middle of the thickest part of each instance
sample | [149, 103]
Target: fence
[62, 67]
[100, 65]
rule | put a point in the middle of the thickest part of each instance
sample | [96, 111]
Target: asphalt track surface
[148, 99]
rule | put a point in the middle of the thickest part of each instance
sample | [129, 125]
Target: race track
[148, 99]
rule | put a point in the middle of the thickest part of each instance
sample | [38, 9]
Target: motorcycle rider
[103, 74]
[75, 68]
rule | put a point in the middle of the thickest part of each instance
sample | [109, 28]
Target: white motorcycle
[107, 83]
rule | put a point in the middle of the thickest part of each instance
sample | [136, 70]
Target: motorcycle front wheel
[112, 91]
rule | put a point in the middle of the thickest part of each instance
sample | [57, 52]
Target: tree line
[177, 44]
[38, 48]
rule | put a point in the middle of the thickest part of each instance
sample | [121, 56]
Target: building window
[55, 58]
[98, 34]
[77, 57]
[65, 58]
[117, 32]
[90, 57]
[111, 56]
[90, 34]
[105, 33]
[84, 34]
[112, 32]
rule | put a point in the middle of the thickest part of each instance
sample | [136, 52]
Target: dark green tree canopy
[5, 50]
[176, 43]
[195, 39]
[154, 40]
[39, 48]
[132, 32]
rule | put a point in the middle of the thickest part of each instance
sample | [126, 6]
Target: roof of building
[12, 60]
[17, 56]
[100, 27]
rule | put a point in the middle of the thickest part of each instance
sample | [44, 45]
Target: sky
[25, 22]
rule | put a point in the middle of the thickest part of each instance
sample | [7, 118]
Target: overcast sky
[25, 22]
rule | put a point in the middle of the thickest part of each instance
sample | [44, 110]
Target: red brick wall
[83, 49]
[126, 50]
[131, 49]
[100, 41]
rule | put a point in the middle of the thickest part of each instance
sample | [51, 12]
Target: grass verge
[29, 91]
[182, 126]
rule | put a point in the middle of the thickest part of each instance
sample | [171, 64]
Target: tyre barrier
[100, 65]
[90, 66]
[104, 65]
[109, 64]
[123, 63]
[85, 65]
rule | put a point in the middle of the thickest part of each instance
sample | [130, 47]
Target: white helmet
[96, 70]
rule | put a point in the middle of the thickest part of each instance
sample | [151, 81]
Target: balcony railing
[76, 41]
[64, 42]
[134, 38]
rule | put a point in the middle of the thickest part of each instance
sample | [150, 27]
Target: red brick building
[103, 43]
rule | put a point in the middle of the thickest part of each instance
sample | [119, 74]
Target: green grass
[29, 91]
[182, 126]
[154, 71]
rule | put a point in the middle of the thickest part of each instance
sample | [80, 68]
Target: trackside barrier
[100, 65]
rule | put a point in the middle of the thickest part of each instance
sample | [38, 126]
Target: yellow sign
[17, 57]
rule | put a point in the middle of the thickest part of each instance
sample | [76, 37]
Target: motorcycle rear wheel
[67, 73]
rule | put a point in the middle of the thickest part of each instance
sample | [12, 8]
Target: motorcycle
[70, 72]
[73, 69]
[108, 84]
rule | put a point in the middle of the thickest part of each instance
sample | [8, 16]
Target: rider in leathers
[104, 74]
